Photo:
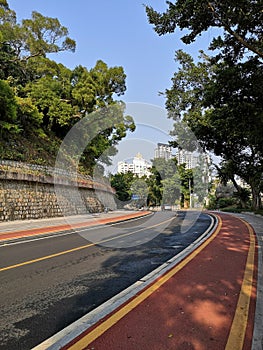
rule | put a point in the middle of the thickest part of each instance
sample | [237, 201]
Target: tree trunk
[239, 190]
[256, 198]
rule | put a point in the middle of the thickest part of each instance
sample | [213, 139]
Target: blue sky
[117, 31]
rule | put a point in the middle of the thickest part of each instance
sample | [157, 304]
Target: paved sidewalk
[205, 301]
[256, 221]
[27, 228]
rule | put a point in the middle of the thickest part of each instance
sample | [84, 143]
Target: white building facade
[188, 158]
[138, 166]
[163, 150]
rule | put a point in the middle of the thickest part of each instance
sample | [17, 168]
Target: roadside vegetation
[40, 99]
[169, 184]
[220, 96]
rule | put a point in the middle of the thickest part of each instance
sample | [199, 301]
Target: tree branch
[232, 32]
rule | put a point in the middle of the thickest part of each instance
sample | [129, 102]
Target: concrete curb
[70, 333]
[257, 341]
[45, 231]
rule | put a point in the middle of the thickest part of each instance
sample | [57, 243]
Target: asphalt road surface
[46, 284]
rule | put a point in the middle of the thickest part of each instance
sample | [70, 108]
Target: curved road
[205, 301]
[46, 284]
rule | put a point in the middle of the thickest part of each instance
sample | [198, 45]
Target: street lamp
[190, 193]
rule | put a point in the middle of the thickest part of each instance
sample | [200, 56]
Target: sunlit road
[46, 284]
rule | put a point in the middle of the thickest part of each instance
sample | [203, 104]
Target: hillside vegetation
[40, 99]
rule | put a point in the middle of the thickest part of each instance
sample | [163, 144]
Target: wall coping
[19, 171]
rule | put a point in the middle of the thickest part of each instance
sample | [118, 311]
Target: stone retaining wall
[28, 192]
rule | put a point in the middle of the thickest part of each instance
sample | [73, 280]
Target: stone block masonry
[28, 192]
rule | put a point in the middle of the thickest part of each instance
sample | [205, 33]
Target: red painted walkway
[204, 305]
[57, 228]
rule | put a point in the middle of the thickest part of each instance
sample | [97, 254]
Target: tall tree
[220, 97]
[94, 89]
[222, 105]
[34, 37]
[240, 21]
[42, 100]
[165, 182]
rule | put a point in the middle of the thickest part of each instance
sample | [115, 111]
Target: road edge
[56, 229]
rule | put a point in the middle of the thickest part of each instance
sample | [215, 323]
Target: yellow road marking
[239, 324]
[79, 248]
[108, 323]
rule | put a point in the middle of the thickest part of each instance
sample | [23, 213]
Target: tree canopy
[240, 21]
[222, 105]
[41, 99]
[219, 97]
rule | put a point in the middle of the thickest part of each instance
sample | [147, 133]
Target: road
[46, 284]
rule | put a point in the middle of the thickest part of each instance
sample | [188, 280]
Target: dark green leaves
[241, 21]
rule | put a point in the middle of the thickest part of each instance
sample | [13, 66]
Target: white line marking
[74, 230]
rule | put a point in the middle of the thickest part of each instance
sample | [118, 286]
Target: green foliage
[223, 108]
[220, 97]
[243, 197]
[155, 187]
[7, 103]
[45, 35]
[42, 100]
[8, 111]
[187, 185]
[122, 184]
[139, 188]
[170, 183]
[240, 22]
[27, 113]
[95, 88]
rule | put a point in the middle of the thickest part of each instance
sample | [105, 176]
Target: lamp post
[190, 194]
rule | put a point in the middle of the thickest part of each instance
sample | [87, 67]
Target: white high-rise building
[163, 150]
[138, 166]
[188, 158]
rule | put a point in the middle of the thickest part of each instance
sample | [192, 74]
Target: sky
[117, 32]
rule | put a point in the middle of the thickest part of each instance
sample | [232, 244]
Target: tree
[164, 183]
[219, 98]
[186, 185]
[8, 110]
[94, 90]
[139, 188]
[28, 114]
[201, 183]
[221, 104]
[54, 101]
[122, 184]
[155, 187]
[235, 99]
[34, 37]
[240, 21]
[42, 100]
[42, 35]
